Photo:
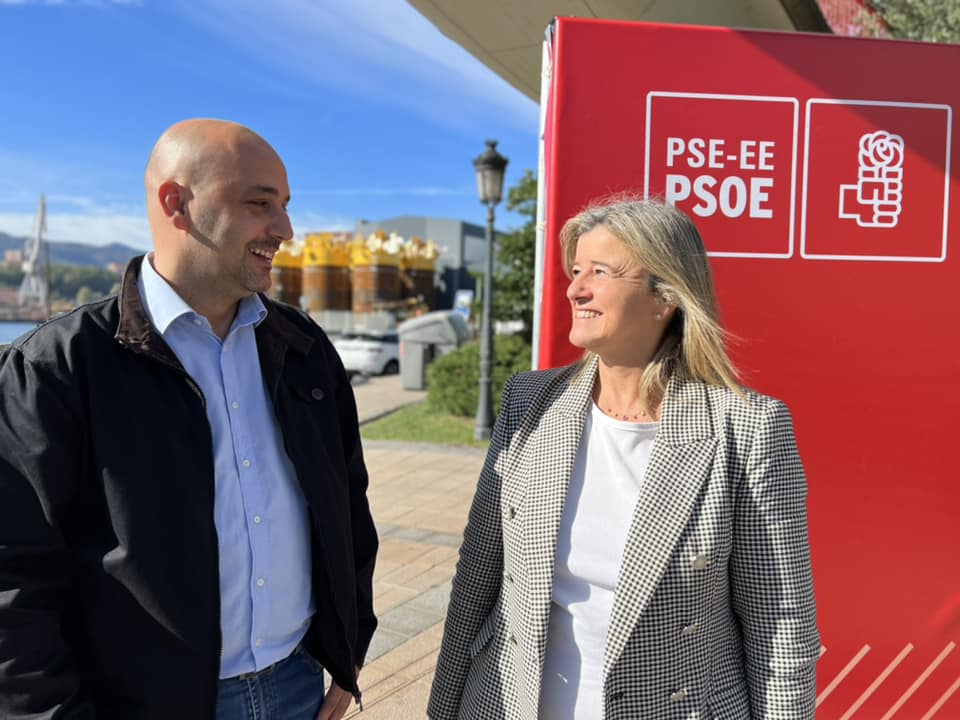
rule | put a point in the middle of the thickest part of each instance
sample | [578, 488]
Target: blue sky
[375, 112]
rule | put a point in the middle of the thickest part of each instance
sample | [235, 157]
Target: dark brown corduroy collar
[274, 334]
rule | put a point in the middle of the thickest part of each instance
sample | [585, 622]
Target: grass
[417, 423]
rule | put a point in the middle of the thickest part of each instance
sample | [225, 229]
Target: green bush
[453, 380]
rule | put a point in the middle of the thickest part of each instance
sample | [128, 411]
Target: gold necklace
[626, 416]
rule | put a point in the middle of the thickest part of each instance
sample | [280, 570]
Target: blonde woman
[637, 546]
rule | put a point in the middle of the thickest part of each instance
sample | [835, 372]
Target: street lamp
[490, 166]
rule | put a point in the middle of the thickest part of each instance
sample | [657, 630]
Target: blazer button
[615, 696]
[689, 629]
[700, 562]
[679, 695]
[317, 394]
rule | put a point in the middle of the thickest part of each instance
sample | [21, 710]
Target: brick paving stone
[437, 555]
[389, 596]
[407, 533]
[435, 599]
[409, 621]
[376, 694]
[405, 574]
[391, 513]
[448, 539]
[430, 578]
[379, 395]
[425, 644]
[402, 551]
[402, 516]
[407, 701]
[384, 641]
[449, 525]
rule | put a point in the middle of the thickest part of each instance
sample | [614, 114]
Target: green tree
[11, 275]
[85, 295]
[66, 280]
[513, 283]
[453, 379]
[929, 20]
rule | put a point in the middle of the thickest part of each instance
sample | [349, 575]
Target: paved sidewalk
[379, 396]
[419, 495]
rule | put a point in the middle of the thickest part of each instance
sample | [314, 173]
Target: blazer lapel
[551, 452]
[680, 462]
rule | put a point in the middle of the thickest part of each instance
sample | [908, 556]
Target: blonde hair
[666, 243]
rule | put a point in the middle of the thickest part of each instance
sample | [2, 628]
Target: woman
[637, 547]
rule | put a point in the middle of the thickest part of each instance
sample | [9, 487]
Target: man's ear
[173, 201]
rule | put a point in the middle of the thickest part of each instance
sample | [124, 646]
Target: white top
[604, 487]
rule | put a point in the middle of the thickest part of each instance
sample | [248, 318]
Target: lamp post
[490, 166]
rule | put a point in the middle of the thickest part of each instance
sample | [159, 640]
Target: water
[9, 331]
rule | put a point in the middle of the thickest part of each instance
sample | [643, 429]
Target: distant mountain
[70, 253]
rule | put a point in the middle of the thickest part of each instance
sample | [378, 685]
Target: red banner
[818, 170]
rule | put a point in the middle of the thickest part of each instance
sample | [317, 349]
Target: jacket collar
[573, 398]
[134, 329]
[684, 415]
[277, 328]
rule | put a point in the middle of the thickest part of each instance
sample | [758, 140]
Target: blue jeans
[291, 689]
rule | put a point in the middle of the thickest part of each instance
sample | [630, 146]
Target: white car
[369, 352]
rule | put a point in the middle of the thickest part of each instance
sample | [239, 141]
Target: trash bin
[423, 338]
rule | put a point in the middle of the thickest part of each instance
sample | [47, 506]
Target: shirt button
[257, 519]
[260, 582]
[689, 629]
[679, 695]
[234, 404]
[197, 321]
[246, 463]
[258, 642]
[700, 562]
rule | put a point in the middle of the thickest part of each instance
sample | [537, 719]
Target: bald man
[184, 528]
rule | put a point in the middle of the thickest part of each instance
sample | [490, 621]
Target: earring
[659, 316]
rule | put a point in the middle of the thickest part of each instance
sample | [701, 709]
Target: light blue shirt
[260, 513]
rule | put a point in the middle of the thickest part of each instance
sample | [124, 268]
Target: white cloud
[421, 191]
[380, 49]
[308, 222]
[71, 216]
[103, 228]
[99, 229]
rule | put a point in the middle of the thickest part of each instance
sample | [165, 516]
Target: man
[184, 529]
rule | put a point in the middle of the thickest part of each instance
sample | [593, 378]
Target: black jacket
[109, 583]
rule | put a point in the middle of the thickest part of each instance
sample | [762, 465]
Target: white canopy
[507, 35]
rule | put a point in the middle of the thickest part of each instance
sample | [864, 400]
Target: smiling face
[239, 220]
[614, 310]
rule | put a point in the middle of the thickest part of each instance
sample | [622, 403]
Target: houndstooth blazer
[713, 615]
